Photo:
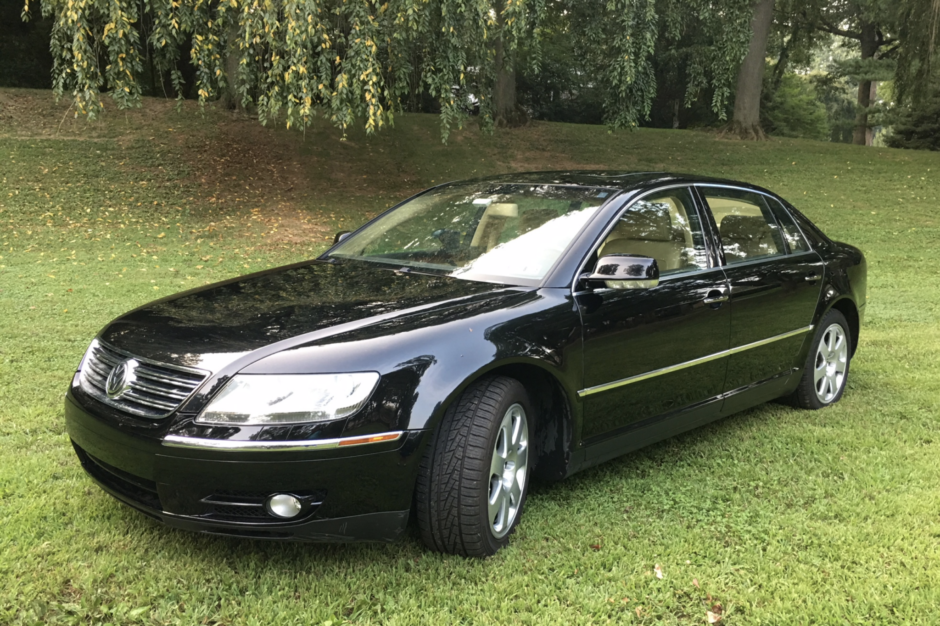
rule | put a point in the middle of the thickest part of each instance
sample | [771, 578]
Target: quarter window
[816, 239]
[746, 226]
[665, 227]
[794, 237]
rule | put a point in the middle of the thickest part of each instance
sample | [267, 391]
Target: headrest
[502, 209]
[743, 227]
[645, 222]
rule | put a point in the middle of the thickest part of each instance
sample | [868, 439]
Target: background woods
[811, 68]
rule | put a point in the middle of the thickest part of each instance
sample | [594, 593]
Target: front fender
[426, 360]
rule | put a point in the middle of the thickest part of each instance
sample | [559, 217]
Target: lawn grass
[777, 515]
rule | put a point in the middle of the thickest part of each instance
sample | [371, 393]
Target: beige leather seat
[745, 237]
[648, 232]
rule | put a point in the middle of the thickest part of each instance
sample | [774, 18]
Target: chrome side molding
[705, 359]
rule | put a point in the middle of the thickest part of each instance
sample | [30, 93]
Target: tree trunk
[781, 67]
[746, 122]
[784, 59]
[231, 98]
[506, 111]
[861, 136]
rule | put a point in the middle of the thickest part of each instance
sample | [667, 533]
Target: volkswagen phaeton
[478, 335]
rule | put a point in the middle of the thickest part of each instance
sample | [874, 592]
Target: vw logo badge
[121, 378]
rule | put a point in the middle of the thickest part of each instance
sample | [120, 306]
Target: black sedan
[476, 335]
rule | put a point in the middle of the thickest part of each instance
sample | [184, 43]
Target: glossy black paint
[627, 334]
[430, 336]
[622, 267]
[368, 491]
[770, 298]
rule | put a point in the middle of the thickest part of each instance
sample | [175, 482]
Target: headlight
[259, 399]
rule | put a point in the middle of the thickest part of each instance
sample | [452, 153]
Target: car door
[775, 281]
[648, 352]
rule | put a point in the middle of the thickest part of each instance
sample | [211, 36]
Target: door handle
[812, 278]
[716, 297]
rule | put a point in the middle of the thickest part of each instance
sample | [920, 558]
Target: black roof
[613, 179]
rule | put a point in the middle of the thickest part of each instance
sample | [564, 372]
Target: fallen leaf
[712, 617]
[595, 546]
[695, 582]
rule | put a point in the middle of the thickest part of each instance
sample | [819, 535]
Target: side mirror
[624, 271]
[340, 236]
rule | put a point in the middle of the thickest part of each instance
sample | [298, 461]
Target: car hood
[213, 326]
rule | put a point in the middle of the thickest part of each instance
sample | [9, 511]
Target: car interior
[658, 229]
[502, 219]
[744, 230]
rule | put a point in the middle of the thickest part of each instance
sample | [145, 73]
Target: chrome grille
[159, 389]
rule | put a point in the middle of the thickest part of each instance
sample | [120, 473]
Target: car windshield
[493, 232]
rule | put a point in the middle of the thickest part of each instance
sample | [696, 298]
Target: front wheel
[827, 366]
[473, 481]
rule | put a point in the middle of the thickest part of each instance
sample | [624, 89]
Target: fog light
[283, 505]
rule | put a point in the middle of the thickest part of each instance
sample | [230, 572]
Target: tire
[826, 370]
[473, 480]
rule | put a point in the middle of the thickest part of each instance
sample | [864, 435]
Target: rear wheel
[473, 481]
[827, 366]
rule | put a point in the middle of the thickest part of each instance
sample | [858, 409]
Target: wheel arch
[555, 423]
[849, 310]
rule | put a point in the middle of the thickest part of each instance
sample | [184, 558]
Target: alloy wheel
[832, 358]
[508, 467]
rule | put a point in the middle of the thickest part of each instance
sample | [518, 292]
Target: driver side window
[665, 227]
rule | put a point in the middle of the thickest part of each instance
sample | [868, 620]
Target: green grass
[778, 515]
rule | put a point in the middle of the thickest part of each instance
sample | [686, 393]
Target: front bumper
[361, 493]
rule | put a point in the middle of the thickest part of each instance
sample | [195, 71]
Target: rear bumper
[362, 493]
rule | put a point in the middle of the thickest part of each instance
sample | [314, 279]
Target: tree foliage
[918, 128]
[919, 30]
[793, 108]
[896, 38]
[349, 59]
[706, 42]
[556, 81]
[24, 49]
[356, 60]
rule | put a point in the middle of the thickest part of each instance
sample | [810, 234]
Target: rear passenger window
[794, 237]
[746, 226]
[665, 227]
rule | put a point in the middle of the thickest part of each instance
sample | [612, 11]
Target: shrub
[918, 128]
[794, 109]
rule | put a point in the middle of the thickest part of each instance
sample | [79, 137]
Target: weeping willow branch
[355, 61]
